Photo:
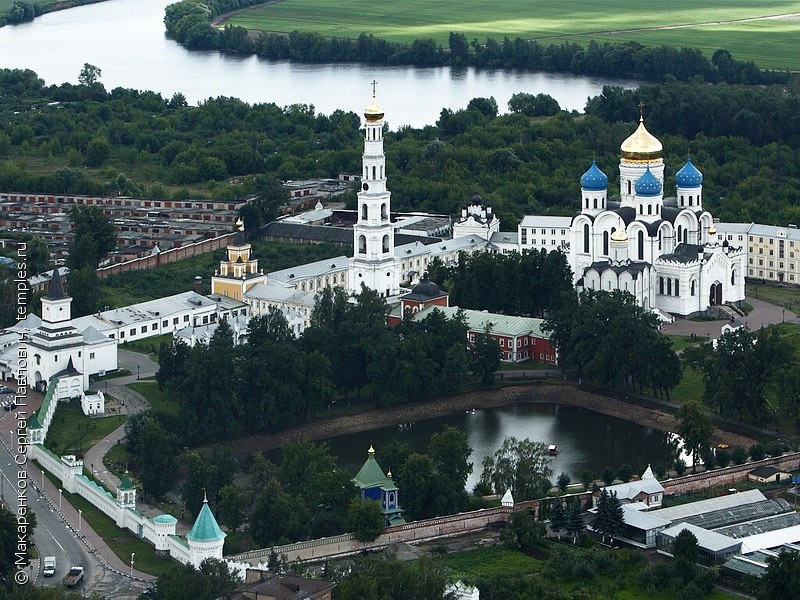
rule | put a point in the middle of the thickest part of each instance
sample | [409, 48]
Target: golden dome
[239, 224]
[712, 230]
[371, 450]
[641, 145]
[619, 235]
[373, 112]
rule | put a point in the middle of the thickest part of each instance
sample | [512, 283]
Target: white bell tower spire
[373, 263]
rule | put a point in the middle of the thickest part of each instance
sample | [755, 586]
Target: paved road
[57, 531]
[763, 314]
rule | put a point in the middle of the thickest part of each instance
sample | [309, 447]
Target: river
[125, 39]
[586, 440]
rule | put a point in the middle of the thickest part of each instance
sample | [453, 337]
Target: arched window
[362, 244]
[640, 240]
[685, 235]
[677, 287]
[586, 203]
[733, 277]
[629, 186]
[373, 173]
[384, 214]
[692, 287]
[605, 243]
[386, 243]
[669, 286]
[680, 231]
[641, 209]
[595, 202]
[691, 201]
[364, 212]
[586, 238]
[659, 239]
[649, 209]
[681, 199]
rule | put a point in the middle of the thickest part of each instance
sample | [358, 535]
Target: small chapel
[377, 486]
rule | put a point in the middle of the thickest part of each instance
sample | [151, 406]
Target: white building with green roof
[205, 539]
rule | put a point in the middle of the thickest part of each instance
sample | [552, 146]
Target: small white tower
[689, 184]
[594, 191]
[619, 244]
[126, 492]
[373, 263]
[640, 151]
[205, 539]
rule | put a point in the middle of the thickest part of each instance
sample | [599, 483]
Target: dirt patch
[518, 394]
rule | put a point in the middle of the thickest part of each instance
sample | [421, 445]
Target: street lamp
[133, 555]
[80, 519]
[59, 498]
[137, 371]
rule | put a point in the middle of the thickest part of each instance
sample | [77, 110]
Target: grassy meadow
[704, 24]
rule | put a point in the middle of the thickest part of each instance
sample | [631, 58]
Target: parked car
[5, 390]
[9, 405]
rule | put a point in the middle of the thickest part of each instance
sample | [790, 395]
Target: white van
[49, 568]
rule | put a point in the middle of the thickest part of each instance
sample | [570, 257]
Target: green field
[705, 24]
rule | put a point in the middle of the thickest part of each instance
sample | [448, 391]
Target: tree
[84, 288]
[485, 357]
[558, 517]
[782, 579]
[695, 428]
[562, 481]
[740, 369]
[89, 75]
[574, 520]
[522, 466]
[625, 472]
[450, 451]
[365, 519]
[609, 475]
[37, 255]
[232, 506]
[685, 547]
[610, 518]
[586, 479]
[94, 236]
[522, 532]
[416, 477]
[214, 579]
[156, 453]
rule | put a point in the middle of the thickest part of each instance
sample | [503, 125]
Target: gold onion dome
[641, 145]
[373, 112]
[619, 235]
[371, 450]
[712, 230]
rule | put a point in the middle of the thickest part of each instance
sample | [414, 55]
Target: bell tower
[373, 263]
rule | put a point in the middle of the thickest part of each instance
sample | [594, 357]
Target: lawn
[73, 433]
[703, 24]
[787, 296]
[159, 400]
[681, 342]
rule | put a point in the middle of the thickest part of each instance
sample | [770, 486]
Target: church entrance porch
[715, 294]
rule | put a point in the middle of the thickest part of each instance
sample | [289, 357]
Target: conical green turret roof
[33, 422]
[371, 475]
[205, 527]
[126, 484]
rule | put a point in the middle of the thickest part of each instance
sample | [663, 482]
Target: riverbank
[15, 17]
[548, 392]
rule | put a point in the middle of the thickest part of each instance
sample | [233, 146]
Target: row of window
[771, 263]
[771, 275]
[770, 241]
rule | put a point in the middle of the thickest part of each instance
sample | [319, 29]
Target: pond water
[587, 440]
[125, 39]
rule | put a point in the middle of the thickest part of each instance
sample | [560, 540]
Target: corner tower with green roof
[126, 492]
[374, 485]
[206, 538]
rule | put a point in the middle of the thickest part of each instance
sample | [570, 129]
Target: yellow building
[239, 272]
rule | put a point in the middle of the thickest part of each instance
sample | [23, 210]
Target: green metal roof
[126, 484]
[164, 519]
[478, 321]
[205, 527]
[33, 422]
[371, 475]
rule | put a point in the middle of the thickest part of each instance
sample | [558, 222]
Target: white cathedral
[661, 250]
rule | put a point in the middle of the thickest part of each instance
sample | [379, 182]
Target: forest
[85, 139]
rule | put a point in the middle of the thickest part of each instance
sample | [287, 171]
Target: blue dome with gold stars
[648, 185]
[594, 179]
[688, 176]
